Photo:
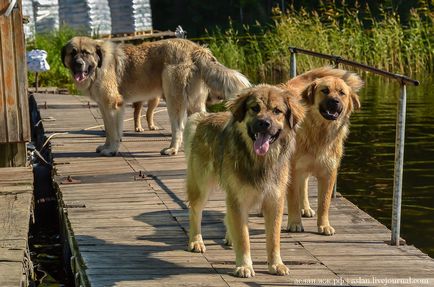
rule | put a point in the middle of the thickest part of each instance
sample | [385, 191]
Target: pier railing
[400, 125]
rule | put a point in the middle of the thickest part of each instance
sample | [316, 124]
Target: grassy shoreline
[262, 54]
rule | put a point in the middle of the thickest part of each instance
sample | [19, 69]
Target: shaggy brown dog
[247, 153]
[112, 74]
[330, 98]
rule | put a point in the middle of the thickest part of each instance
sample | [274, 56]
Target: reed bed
[385, 44]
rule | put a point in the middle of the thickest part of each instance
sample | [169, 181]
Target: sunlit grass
[261, 51]
[386, 44]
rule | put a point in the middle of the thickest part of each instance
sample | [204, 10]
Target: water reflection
[366, 175]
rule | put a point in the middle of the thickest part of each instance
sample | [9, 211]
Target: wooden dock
[16, 193]
[127, 219]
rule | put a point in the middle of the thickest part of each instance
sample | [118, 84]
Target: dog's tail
[350, 78]
[218, 77]
[190, 130]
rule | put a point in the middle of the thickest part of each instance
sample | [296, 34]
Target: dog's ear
[295, 112]
[99, 55]
[355, 101]
[308, 94]
[63, 55]
[238, 105]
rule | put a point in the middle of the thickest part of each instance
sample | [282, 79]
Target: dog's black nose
[332, 104]
[262, 125]
[79, 63]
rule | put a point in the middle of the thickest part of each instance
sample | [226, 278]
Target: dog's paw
[244, 271]
[101, 147]
[307, 212]
[139, 129]
[278, 269]
[153, 128]
[169, 151]
[294, 227]
[197, 246]
[227, 240]
[108, 152]
[326, 230]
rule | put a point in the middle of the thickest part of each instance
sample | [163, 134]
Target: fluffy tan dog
[330, 96]
[112, 74]
[247, 153]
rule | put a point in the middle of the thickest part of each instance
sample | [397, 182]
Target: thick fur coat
[178, 70]
[247, 153]
[330, 97]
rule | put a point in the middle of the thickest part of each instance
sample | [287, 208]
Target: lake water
[366, 174]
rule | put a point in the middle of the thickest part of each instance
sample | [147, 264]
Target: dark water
[366, 175]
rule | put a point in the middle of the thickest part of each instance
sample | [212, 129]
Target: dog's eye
[325, 91]
[85, 52]
[276, 111]
[74, 52]
[341, 93]
[255, 109]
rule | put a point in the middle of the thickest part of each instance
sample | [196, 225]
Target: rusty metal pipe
[340, 60]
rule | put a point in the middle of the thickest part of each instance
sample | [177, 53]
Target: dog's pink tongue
[262, 144]
[79, 77]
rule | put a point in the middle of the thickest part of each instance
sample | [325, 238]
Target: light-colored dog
[247, 153]
[330, 96]
[113, 74]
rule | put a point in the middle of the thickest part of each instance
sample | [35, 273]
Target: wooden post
[14, 107]
[13, 154]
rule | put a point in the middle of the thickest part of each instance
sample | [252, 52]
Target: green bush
[58, 75]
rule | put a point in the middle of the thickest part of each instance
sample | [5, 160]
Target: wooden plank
[134, 233]
[15, 213]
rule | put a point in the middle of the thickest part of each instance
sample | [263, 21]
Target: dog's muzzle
[81, 70]
[331, 109]
[263, 135]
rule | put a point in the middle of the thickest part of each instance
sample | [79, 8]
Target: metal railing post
[292, 63]
[399, 163]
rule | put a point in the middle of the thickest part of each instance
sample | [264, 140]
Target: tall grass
[261, 52]
[386, 44]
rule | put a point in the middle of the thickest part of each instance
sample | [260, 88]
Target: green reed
[386, 44]
[261, 51]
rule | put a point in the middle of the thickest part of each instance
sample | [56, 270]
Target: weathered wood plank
[134, 233]
[21, 74]
[15, 214]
